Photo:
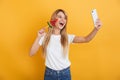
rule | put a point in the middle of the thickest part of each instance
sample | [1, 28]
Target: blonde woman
[55, 45]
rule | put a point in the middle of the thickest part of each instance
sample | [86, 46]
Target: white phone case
[94, 15]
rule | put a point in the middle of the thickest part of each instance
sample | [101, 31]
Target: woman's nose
[63, 19]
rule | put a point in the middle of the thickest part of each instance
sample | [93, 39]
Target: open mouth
[61, 23]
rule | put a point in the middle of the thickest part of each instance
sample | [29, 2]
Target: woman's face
[61, 20]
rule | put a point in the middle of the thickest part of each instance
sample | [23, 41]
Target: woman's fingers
[41, 32]
[98, 23]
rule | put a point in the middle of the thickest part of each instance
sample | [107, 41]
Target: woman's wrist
[38, 37]
[96, 29]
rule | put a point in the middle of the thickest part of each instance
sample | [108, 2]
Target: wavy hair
[63, 33]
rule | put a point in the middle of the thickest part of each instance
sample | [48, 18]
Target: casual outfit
[57, 64]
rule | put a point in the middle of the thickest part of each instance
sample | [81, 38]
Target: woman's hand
[41, 32]
[98, 24]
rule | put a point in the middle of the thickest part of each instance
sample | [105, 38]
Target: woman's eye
[59, 17]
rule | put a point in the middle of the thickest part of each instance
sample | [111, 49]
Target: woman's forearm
[35, 46]
[91, 35]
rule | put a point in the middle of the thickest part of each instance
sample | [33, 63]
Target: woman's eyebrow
[58, 15]
[61, 16]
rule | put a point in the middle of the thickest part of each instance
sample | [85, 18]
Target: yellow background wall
[21, 19]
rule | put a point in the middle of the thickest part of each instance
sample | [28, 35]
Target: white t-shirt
[55, 58]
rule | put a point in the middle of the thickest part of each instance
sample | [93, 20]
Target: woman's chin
[61, 27]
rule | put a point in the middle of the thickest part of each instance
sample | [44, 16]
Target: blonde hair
[63, 33]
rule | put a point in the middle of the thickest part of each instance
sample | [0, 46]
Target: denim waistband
[57, 71]
[63, 74]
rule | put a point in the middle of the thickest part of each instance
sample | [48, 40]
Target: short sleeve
[41, 40]
[71, 38]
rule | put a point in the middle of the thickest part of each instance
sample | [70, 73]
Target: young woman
[55, 45]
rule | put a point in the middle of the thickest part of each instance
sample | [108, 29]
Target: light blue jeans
[57, 75]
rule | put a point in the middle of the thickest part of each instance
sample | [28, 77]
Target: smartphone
[94, 15]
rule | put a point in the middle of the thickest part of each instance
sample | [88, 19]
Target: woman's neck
[56, 31]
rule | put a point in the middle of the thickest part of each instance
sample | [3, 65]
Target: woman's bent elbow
[31, 53]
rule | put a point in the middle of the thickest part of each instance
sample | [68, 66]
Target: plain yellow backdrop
[21, 19]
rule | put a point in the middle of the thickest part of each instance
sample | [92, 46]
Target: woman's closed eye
[59, 16]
